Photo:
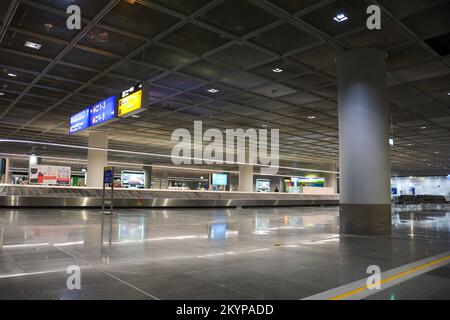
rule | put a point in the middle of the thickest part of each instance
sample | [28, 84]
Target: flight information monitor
[219, 179]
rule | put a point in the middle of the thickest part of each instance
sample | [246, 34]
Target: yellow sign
[130, 103]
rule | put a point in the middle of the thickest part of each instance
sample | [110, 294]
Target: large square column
[245, 178]
[331, 178]
[365, 207]
[6, 178]
[97, 159]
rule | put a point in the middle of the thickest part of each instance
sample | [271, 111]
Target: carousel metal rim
[90, 202]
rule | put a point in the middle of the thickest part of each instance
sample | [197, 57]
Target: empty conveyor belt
[49, 196]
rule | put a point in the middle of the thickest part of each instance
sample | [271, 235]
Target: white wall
[424, 185]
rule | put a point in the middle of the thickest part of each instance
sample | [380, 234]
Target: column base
[365, 219]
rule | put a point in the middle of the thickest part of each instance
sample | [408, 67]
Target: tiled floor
[284, 253]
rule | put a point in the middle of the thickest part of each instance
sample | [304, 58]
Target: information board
[108, 175]
[102, 112]
[79, 121]
[95, 115]
[131, 101]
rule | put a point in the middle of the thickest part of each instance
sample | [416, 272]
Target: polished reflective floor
[284, 253]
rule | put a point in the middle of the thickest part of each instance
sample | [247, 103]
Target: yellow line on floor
[399, 275]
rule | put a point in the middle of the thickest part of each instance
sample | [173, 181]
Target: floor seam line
[110, 275]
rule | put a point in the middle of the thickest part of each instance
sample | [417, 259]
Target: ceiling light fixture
[423, 128]
[213, 90]
[135, 116]
[277, 70]
[48, 26]
[33, 45]
[311, 117]
[40, 143]
[340, 17]
[12, 75]
[391, 141]
[2, 94]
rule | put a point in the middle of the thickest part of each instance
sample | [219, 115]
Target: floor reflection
[282, 253]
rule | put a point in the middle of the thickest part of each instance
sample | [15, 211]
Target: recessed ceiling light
[311, 117]
[448, 93]
[277, 70]
[391, 141]
[436, 152]
[33, 45]
[48, 26]
[423, 128]
[2, 93]
[13, 75]
[213, 90]
[83, 170]
[340, 17]
[135, 116]
[409, 144]
[264, 125]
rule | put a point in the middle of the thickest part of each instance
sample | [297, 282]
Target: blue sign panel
[97, 114]
[103, 111]
[108, 176]
[79, 121]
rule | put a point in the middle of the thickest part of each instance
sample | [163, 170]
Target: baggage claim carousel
[56, 197]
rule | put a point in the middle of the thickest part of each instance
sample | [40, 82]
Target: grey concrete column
[97, 159]
[148, 177]
[365, 207]
[245, 178]
[6, 178]
[331, 178]
[34, 160]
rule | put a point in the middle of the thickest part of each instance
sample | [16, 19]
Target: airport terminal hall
[222, 158]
